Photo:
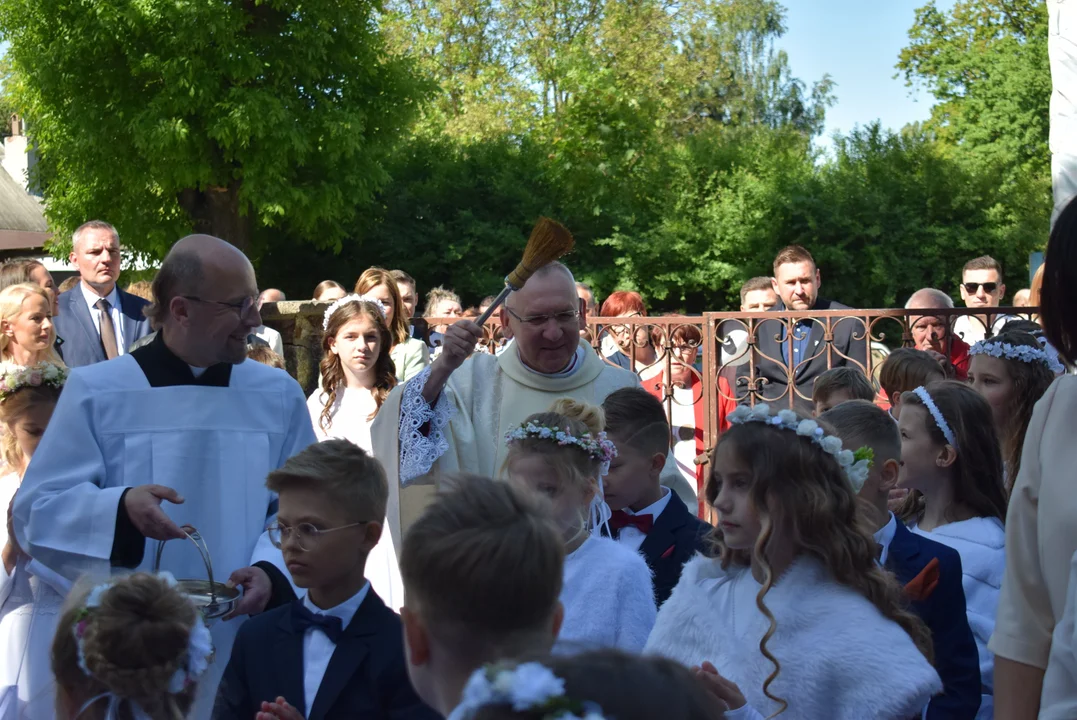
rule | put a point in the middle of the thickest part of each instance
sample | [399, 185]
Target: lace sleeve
[418, 450]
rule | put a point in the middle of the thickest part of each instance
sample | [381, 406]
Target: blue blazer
[676, 536]
[81, 341]
[935, 569]
[367, 676]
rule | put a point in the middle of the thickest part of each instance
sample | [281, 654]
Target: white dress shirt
[630, 536]
[117, 317]
[885, 536]
[318, 648]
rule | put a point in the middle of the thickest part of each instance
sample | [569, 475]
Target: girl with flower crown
[131, 649]
[793, 616]
[607, 592]
[357, 375]
[1012, 371]
[951, 463]
[410, 355]
[28, 396]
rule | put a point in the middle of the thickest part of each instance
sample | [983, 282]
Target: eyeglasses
[242, 307]
[972, 288]
[570, 317]
[685, 349]
[306, 535]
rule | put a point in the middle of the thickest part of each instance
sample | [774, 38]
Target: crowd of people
[525, 531]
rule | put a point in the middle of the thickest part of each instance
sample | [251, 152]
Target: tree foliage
[226, 116]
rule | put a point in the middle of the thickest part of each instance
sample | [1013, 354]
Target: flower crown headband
[199, 645]
[530, 687]
[855, 465]
[1023, 353]
[925, 397]
[599, 449]
[17, 377]
[353, 298]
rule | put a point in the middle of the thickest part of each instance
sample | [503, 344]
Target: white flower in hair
[353, 298]
[855, 465]
[534, 685]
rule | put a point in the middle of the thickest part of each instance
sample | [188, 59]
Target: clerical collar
[163, 369]
[574, 364]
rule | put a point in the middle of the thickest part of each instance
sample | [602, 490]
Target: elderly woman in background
[27, 335]
[28, 270]
[441, 303]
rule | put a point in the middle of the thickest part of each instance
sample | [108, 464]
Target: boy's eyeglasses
[306, 535]
[972, 288]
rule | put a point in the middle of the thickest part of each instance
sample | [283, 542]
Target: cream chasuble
[215, 445]
[485, 398]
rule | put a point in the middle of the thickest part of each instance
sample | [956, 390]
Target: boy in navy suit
[647, 517]
[929, 571]
[338, 652]
[482, 570]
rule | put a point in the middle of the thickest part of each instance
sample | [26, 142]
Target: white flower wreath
[1022, 353]
[353, 298]
[527, 687]
[855, 465]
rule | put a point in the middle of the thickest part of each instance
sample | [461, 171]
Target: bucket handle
[192, 535]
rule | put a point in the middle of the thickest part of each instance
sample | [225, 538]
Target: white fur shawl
[840, 658]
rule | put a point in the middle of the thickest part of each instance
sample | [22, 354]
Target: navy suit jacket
[911, 556]
[773, 366]
[676, 536]
[366, 678]
[81, 341]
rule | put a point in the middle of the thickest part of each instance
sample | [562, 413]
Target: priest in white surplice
[185, 419]
[454, 415]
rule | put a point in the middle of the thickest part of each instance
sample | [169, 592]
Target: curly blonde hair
[797, 485]
[134, 642]
[332, 369]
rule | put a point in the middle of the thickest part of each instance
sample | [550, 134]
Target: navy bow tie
[304, 619]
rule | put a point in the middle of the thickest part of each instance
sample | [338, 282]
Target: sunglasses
[973, 288]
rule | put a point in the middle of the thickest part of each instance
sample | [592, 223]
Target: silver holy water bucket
[213, 599]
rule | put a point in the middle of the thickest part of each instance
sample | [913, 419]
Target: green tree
[233, 117]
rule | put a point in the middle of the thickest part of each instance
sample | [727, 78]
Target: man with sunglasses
[180, 432]
[453, 416]
[981, 287]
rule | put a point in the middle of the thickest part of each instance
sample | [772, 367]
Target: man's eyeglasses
[570, 317]
[972, 288]
[242, 307]
[306, 535]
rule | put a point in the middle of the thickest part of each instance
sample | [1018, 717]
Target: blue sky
[857, 42]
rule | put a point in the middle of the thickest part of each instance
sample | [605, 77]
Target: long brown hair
[372, 278]
[11, 408]
[1030, 381]
[797, 485]
[976, 474]
[332, 369]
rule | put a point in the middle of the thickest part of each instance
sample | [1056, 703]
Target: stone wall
[300, 326]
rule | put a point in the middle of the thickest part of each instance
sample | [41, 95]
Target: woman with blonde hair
[27, 335]
[410, 355]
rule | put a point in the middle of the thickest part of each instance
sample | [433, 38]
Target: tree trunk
[216, 211]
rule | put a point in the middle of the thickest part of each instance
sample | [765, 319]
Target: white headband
[922, 393]
[352, 299]
[1023, 353]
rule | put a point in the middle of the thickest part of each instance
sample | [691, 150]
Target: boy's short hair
[347, 474]
[859, 423]
[637, 419]
[483, 566]
[753, 285]
[906, 369]
[851, 380]
[265, 355]
[401, 277]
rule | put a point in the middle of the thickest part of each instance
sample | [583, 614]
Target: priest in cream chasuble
[453, 417]
[187, 413]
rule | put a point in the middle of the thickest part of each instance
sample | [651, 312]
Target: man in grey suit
[98, 321]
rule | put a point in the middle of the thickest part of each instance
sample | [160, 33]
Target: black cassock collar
[163, 369]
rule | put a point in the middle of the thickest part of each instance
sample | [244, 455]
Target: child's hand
[278, 710]
[719, 687]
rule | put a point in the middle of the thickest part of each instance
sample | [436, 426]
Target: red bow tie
[620, 520]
